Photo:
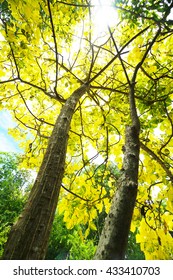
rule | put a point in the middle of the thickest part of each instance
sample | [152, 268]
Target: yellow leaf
[2, 73]
[139, 238]
[87, 232]
[92, 226]
[69, 224]
[132, 227]
[99, 206]
[93, 213]
[107, 205]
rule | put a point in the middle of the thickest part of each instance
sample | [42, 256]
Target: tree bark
[114, 236]
[28, 238]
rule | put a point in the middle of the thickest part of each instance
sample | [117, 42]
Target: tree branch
[115, 57]
[159, 161]
[56, 53]
[87, 200]
[144, 56]
[75, 5]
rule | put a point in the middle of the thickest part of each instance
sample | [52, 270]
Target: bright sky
[105, 14]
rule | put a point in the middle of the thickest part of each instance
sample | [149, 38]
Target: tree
[13, 192]
[106, 89]
[118, 221]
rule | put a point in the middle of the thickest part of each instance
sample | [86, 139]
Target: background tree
[124, 79]
[138, 12]
[14, 184]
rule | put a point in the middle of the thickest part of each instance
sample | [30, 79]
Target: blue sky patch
[7, 143]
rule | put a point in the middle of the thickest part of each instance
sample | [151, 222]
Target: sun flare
[104, 15]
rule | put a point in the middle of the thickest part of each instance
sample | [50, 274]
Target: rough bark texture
[113, 240]
[28, 238]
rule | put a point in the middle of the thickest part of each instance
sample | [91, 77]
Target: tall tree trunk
[113, 240]
[28, 238]
[114, 236]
